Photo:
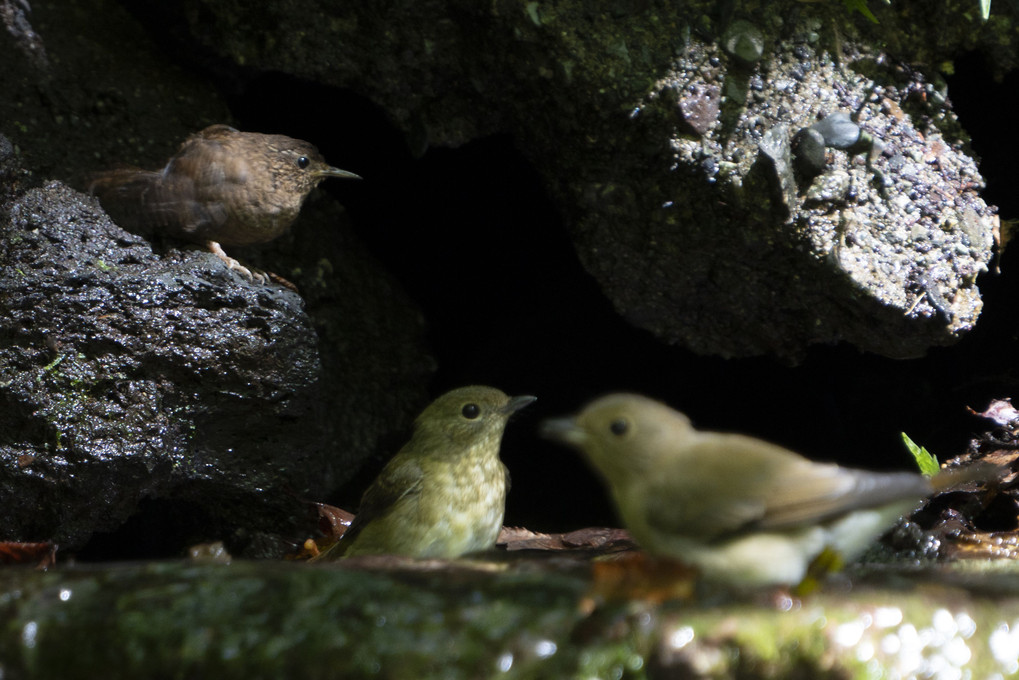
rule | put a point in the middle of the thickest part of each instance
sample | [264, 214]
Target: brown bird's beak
[517, 403]
[564, 430]
[336, 172]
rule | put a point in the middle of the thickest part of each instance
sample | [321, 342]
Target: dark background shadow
[479, 246]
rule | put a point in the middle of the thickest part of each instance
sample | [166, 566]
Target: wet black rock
[808, 152]
[11, 174]
[127, 375]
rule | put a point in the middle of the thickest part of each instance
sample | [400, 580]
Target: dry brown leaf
[42, 555]
[333, 522]
[591, 538]
[638, 576]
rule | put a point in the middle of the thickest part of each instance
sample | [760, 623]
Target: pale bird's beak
[336, 172]
[564, 430]
[517, 403]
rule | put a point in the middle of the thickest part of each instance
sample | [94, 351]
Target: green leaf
[925, 460]
[861, 7]
[985, 9]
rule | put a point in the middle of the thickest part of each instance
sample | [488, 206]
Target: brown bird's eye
[471, 411]
[303, 162]
[619, 426]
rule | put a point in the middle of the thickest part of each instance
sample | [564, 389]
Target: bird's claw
[252, 274]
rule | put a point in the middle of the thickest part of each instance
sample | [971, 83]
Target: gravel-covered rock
[664, 133]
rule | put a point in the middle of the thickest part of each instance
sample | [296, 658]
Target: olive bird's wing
[398, 482]
[733, 484]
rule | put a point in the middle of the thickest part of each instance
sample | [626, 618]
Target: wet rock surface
[130, 376]
[515, 619]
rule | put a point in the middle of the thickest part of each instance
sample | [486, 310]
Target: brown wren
[223, 187]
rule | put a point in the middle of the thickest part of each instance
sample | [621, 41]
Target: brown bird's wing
[194, 186]
[145, 203]
[400, 478]
[743, 484]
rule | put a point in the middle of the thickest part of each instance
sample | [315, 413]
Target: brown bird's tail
[123, 194]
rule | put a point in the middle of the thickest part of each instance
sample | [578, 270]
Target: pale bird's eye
[470, 411]
[619, 426]
[303, 162]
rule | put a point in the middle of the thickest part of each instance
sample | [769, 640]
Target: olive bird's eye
[303, 162]
[619, 426]
[471, 411]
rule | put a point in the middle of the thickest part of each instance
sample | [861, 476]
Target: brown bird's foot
[250, 274]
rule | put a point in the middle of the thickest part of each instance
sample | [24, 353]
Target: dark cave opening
[477, 243]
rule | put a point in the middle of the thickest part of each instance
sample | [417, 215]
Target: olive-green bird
[444, 493]
[741, 510]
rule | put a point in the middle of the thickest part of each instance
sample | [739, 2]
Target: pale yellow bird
[741, 510]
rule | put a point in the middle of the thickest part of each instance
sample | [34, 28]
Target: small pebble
[808, 152]
[838, 130]
[744, 41]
